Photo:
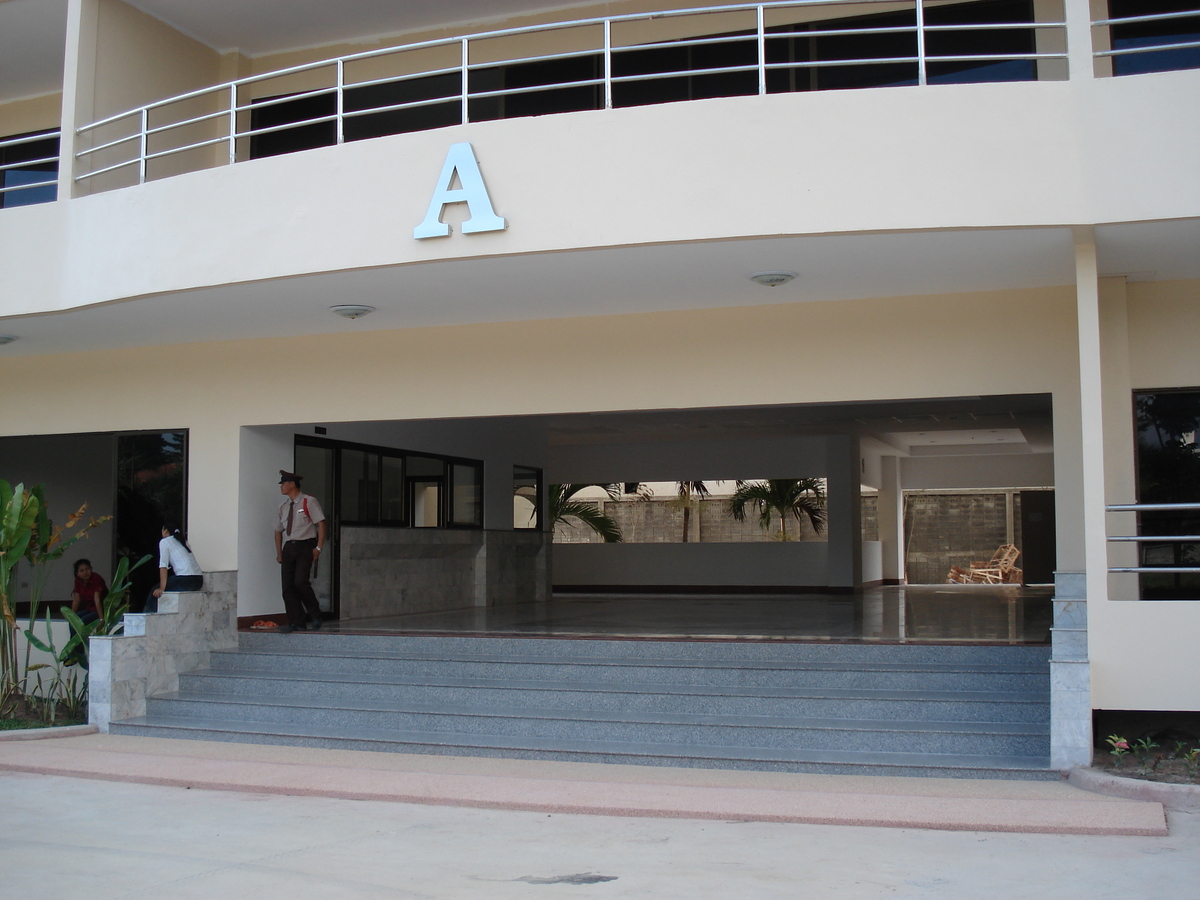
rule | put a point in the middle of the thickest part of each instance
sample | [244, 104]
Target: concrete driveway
[68, 837]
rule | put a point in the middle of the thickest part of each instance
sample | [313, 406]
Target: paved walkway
[67, 837]
[587, 788]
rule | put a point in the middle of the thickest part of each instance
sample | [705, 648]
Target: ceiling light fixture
[352, 310]
[7, 339]
[773, 279]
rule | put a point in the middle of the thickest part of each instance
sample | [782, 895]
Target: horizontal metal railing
[1154, 538]
[133, 149]
[51, 178]
[1165, 45]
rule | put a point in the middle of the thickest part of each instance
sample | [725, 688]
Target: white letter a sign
[460, 161]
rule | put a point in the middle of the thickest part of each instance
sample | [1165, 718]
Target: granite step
[786, 706]
[687, 731]
[594, 670]
[874, 703]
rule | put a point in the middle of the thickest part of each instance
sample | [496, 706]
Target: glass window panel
[1168, 470]
[393, 489]
[360, 486]
[466, 498]
[527, 490]
[426, 467]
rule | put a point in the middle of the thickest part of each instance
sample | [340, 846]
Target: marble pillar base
[154, 648]
[1070, 674]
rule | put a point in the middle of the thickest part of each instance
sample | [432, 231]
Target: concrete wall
[749, 565]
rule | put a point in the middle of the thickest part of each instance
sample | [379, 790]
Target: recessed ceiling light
[773, 279]
[7, 339]
[352, 310]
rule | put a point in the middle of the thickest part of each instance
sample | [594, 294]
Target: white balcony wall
[970, 156]
[30, 114]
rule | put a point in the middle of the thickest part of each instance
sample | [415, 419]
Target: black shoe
[287, 629]
[315, 624]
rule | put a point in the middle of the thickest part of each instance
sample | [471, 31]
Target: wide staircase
[951, 711]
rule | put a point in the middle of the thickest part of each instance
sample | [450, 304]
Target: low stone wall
[392, 571]
[147, 658]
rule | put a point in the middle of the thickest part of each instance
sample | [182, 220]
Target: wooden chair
[1000, 569]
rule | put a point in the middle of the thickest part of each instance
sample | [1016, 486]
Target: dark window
[466, 494]
[360, 492]
[998, 42]
[1154, 34]
[528, 102]
[33, 174]
[401, 121]
[790, 43]
[273, 112]
[741, 49]
[151, 492]
[1168, 471]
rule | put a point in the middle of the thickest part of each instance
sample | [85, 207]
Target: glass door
[316, 464]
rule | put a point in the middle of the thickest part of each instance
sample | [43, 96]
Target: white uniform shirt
[176, 557]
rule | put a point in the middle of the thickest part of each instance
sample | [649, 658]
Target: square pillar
[891, 520]
[843, 505]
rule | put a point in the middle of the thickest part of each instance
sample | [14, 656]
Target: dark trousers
[298, 595]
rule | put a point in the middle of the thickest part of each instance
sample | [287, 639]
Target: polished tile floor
[986, 614]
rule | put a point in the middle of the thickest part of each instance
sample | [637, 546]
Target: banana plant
[47, 546]
[18, 519]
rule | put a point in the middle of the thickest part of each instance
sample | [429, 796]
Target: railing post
[466, 113]
[143, 143]
[762, 51]
[921, 72]
[232, 124]
[608, 64]
[341, 108]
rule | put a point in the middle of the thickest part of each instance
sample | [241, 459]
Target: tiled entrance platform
[583, 788]
[986, 614]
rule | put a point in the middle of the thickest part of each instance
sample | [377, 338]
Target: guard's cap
[289, 476]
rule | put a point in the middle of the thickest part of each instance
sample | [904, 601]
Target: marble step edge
[1037, 668]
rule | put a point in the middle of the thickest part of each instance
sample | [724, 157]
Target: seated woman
[89, 592]
[174, 554]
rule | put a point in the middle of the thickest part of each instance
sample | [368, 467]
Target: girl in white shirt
[174, 554]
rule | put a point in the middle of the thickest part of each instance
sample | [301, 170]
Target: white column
[1091, 409]
[891, 519]
[843, 504]
[1079, 39]
[79, 68]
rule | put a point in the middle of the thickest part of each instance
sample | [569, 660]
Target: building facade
[440, 256]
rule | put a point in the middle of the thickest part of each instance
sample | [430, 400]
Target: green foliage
[797, 498]
[561, 507]
[1120, 748]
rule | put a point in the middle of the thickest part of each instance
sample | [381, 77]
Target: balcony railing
[29, 169]
[597, 63]
[1144, 41]
[1178, 590]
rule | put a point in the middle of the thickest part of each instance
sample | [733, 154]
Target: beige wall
[471, 371]
[32, 114]
[1144, 654]
[127, 59]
